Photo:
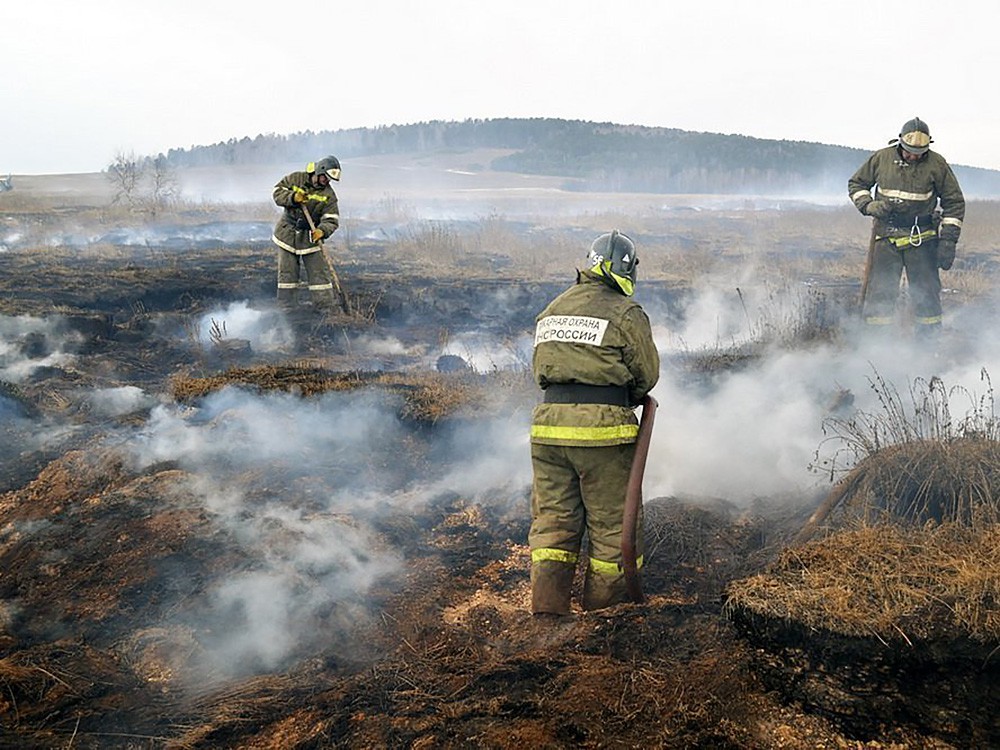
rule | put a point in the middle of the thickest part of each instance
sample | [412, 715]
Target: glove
[880, 209]
[316, 234]
[946, 254]
[299, 196]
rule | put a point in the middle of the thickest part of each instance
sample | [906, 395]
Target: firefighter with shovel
[917, 210]
[310, 216]
[595, 360]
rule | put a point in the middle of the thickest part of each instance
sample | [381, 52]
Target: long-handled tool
[345, 306]
[868, 269]
[633, 501]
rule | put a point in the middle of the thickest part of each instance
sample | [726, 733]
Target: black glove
[946, 254]
[880, 209]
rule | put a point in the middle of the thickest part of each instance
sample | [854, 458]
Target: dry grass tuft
[915, 465]
[954, 481]
[898, 584]
[426, 397]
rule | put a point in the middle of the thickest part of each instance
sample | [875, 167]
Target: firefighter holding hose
[595, 360]
[310, 216]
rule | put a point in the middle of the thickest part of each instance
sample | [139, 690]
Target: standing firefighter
[299, 241]
[595, 359]
[917, 209]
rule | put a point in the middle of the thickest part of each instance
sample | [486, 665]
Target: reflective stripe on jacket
[914, 189]
[322, 206]
[595, 335]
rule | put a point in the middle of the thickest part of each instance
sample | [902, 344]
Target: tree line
[591, 156]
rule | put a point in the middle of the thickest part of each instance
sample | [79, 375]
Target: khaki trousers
[312, 268]
[578, 489]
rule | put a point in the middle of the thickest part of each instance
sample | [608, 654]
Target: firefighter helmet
[915, 136]
[330, 166]
[613, 257]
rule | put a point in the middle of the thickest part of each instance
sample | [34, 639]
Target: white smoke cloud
[28, 344]
[115, 402]
[488, 459]
[754, 431]
[266, 330]
[313, 557]
[485, 354]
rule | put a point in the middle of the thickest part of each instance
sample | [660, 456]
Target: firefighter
[917, 208]
[299, 248]
[594, 359]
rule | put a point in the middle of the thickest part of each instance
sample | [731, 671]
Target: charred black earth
[211, 541]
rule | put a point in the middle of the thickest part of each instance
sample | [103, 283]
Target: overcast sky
[83, 81]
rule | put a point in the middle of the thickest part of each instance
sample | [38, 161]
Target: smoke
[116, 402]
[299, 488]
[755, 430]
[307, 583]
[28, 344]
[266, 330]
[485, 354]
[487, 459]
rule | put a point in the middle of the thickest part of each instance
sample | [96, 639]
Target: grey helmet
[613, 256]
[915, 136]
[330, 166]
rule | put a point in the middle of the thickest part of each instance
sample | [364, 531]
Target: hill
[589, 156]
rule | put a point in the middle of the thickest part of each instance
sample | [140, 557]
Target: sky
[83, 82]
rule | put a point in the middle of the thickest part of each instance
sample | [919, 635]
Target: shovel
[333, 273]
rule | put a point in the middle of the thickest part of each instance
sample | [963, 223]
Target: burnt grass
[105, 567]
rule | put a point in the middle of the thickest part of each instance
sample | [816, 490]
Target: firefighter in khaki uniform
[595, 359]
[298, 245]
[918, 208]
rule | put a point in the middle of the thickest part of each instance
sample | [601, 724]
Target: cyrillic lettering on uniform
[571, 329]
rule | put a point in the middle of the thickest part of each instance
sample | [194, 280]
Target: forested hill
[592, 156]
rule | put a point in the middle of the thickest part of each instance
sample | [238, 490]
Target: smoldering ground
[368, 568]
[757, 430]
[300, 487]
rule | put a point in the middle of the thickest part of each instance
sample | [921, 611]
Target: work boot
[600, 591]
[288, 300]
[551, 586]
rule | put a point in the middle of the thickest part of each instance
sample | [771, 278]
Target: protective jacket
[914, 189]
[292, 231]
[593, 335]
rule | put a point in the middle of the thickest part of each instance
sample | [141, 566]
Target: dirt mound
[883, 626]
[915, 482]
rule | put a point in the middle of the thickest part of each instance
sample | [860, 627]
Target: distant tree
[163, 183]
[125, 174]
[142, 184]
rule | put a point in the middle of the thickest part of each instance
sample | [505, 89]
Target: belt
[581, 393]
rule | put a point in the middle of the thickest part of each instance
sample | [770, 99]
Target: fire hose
[333, 273]
[633, 501]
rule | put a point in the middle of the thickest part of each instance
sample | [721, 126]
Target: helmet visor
[916, 142]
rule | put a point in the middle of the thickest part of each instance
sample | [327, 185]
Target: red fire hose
[633, 501]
